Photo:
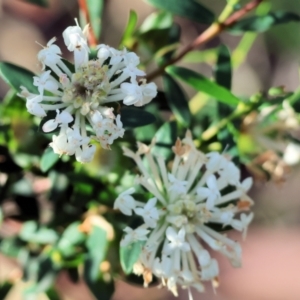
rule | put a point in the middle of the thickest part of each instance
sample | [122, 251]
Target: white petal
[211, 182]
[203, 193]
[64, 117]
[50, 125]
[171, 234]
[247, 183]
[151, 203]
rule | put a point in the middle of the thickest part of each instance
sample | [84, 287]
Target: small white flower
[177, 186]
[211, 271]
[211, 193]
[51, 55]
[75, 38]
[75, 138]
[103, 53]
[85, 154]
[34, 107]
[291, 155]
[63, 117]
[138, 95]
[45, 82]
[60, 145]
[177, 240]
[149, 212]
[204, 258]
[216, 161]
[125, 202]
[134, 235]
[230, 173]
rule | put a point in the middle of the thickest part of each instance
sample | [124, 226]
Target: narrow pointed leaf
[263, 23]
[157, 21]
[189, 9]
[48, 160]
[223, 75]
[96, 244]
[129, 255]
[130, 27]
[134, 117]
[223, 72]
[16, 76]
[95, 8]
[4, 289]
[203, 84]
[165, 138]
[177, 100]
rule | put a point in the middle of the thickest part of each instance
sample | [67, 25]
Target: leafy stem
[212, 131]
[212, 31]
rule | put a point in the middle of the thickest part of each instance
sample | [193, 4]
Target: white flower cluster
[199, 192]
[274, 134]
[85, 96]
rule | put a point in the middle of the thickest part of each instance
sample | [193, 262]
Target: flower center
[88, 87]
[184, 213]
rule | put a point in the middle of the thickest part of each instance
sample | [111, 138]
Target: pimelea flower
[84, 96]
[199, 193]
[273, 134]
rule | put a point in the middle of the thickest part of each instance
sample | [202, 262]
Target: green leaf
[165, 138]
[177, 100]
[200, 56]
[203, 84]
[129, 255]
[4, 289]
[223, 72]
[190, 9]
[129, 30]
[134, 117]
[52, 294]
[10, 247]
[95, 8]
[70, 238]
[263, 23]
[31, 233]
[45, 236]
[42, 3]
[17, 76]
[146, 133]
[73, 235]
[223, 75]
[48, 160]
[28, 229]
[156, 21]
[96, 244]
[101, 289]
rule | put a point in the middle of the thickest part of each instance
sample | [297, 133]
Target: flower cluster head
[274, 132]
[84, 96]
[193, 201]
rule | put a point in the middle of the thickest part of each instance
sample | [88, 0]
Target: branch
[211, 32]
[84, 9]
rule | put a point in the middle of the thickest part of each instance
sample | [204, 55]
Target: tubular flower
[84, 96]
[193, 201]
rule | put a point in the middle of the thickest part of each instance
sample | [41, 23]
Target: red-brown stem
[211, 32]
[84, 9]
